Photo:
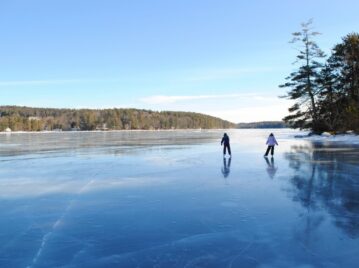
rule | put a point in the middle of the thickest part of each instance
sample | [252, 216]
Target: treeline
[39, 119]
[325, 88]
[263, 124]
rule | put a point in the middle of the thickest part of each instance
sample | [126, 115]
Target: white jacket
[271, 141]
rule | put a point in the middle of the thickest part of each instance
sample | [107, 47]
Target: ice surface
[169, 199]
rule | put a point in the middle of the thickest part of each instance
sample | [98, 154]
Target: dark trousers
[226, 146]
[270, 148]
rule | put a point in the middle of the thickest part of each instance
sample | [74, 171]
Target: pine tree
[344, 63]
[302, 84]
[329, 98]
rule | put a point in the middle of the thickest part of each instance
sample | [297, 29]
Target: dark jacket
[225, 140]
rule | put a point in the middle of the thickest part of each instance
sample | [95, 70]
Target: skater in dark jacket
[271, 142]
[226, 146]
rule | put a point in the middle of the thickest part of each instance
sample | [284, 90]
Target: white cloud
[38, 82]
[51, 81]
[166, 99]
[246, 107]
[216, 74]
[270, 112]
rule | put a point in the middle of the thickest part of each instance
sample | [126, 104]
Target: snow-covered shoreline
[342, 138]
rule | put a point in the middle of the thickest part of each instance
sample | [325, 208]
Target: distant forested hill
[37, 119]
[264, 124]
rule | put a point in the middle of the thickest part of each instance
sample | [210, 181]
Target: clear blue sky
[225, 58]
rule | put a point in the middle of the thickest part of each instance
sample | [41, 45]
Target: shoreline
[350, 138]
[112, 131]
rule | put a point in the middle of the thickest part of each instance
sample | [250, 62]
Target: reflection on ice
[152, 199]
[226, 169]
[328, 178]
[271, 168]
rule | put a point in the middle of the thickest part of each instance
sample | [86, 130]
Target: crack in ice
[46, 237]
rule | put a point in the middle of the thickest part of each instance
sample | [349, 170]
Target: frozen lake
[169, 199]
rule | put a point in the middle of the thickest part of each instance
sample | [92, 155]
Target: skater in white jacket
[271, 142]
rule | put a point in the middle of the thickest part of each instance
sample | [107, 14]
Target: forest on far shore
[39, 119]
[263, 124]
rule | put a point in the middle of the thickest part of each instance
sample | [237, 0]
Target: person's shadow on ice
[226, 167]
[271, 168]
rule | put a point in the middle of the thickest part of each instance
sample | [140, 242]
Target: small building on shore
[34, 118]
[102, 128]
